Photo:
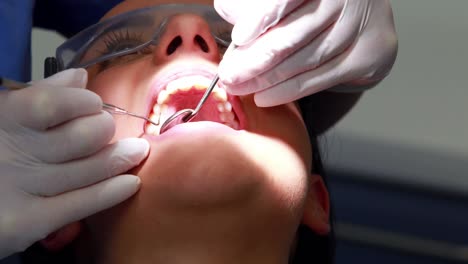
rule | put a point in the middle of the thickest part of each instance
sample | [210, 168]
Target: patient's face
[236, 172]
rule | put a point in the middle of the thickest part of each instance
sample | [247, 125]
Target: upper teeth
[160, 109]
[186, 83]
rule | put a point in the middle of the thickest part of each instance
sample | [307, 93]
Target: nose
[186, 35]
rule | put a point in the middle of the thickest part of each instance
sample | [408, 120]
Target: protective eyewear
[132, 32]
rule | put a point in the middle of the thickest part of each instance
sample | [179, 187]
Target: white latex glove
[289, 49]
[56, 166]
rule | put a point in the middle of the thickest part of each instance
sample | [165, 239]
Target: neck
[186, 251]
[188, 238]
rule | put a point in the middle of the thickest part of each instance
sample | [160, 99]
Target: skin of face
[209, 194]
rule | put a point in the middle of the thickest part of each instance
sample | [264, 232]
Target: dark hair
[310, 247]
[313, 248]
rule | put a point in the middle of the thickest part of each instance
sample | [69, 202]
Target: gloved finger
[253, 23]
[76, 78]
[69, 207]
[328, 75]
[327, 45]
[114, 159]
[73, 140]
[297, 30]
[229, 10]
[44, 107]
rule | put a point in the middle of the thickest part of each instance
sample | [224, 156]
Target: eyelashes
[117, 41]
[121, 40]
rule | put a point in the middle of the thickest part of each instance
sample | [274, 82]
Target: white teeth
[162, 97]
[171, 88]
[185, 88]
[224, 107]
[229, 116]
[157, 109]
[226, 116]
[161, 108]
[151, 129]
[228, 106]
[221, 107]
[165, 114]
[220, 94]
[185, 83]
[201, 87]
[155, 117]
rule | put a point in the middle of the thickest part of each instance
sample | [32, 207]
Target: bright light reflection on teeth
[154, 118]
[228, 107]
[185, 83]
[221, 107]
[151, 129]
[186, 88]
[157, 109]
[224, 107]
[219, 94]
[172, 89]
[162, 97]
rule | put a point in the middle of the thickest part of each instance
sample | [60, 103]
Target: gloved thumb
[229, 10]
[76, 78]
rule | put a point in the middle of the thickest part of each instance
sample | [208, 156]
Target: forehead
[130, 5]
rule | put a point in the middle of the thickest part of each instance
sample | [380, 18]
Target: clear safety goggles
[131, 32]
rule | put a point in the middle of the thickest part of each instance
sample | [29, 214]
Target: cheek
[282, 122]
[127, 127]
[123, 87]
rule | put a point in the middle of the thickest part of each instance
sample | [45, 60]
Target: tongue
[190, 99]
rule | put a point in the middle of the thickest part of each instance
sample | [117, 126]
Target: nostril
[175, 43]
[202, 43]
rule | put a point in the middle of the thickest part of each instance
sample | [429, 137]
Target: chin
[217, 181]
[210, 165]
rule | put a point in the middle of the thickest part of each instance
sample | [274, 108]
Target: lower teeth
[162, 112]
[154, 130]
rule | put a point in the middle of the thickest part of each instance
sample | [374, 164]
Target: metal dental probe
[120, 111]
[188, 114]
[112, 109]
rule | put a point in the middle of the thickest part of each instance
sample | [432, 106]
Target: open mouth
[185, 93]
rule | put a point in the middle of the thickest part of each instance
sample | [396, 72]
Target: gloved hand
[56, 165]
[289, 49]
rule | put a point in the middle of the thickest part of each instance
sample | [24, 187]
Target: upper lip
[175, 72]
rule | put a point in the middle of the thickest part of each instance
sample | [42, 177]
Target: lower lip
[190, 128]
